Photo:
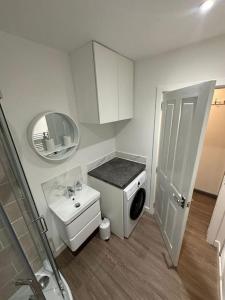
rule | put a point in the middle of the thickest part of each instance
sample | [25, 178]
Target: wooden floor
[135, 268]
[198, 264]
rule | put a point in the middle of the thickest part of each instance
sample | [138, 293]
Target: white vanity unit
[103, 83]
[77, 217]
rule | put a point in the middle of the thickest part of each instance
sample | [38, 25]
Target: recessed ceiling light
[206, 6]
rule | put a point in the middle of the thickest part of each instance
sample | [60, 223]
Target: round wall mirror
[54, 136]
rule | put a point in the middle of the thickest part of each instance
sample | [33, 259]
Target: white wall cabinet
[106, 82]
[103, 84]
[125, 87]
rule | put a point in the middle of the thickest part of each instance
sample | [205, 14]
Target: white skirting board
[60, 249]
[149, 210]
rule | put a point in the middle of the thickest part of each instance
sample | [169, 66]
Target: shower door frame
[34, 284]
[21, 177]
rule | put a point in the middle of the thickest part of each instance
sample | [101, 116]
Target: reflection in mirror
[54, 136]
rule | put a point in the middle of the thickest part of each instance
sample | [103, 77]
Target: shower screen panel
[18, 207]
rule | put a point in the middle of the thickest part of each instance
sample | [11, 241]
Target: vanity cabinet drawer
[85, 232]
[81, 221]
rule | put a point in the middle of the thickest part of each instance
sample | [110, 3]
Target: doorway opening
[196, 253]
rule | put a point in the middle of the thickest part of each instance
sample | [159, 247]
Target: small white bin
[104, 229]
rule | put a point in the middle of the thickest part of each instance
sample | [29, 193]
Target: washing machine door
[137, 204]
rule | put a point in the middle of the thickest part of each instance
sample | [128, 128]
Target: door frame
[157, 127]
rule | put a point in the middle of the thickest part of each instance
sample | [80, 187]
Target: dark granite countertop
[118, 172]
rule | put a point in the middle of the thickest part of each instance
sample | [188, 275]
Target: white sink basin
[65, 209]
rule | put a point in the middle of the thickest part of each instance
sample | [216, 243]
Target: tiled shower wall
[12, 267]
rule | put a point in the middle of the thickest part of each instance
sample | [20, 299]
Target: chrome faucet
[70, 191]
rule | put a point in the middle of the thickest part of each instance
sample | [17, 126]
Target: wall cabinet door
[103, 84]
[125, 87]
[106, 80]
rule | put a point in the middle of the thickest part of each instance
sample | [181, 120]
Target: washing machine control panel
[135, 184]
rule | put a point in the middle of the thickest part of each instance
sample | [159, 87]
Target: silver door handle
[176, 198]
[29, 282]
[179, 199]
[43, 223]
[24, 282]
[179, 195]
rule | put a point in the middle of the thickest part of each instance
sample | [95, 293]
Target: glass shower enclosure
[27, 267]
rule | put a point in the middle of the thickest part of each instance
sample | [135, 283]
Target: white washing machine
[134, 197]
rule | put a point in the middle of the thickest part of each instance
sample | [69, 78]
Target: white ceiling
[135, 28]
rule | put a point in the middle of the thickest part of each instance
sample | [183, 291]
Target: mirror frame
[69, 153]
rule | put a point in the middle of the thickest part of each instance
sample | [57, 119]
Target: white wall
[33, 79]
[212, 164]
[199, 62]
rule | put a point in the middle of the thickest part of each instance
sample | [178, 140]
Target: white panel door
[125, 87]
[184, 119]
[107, 83]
